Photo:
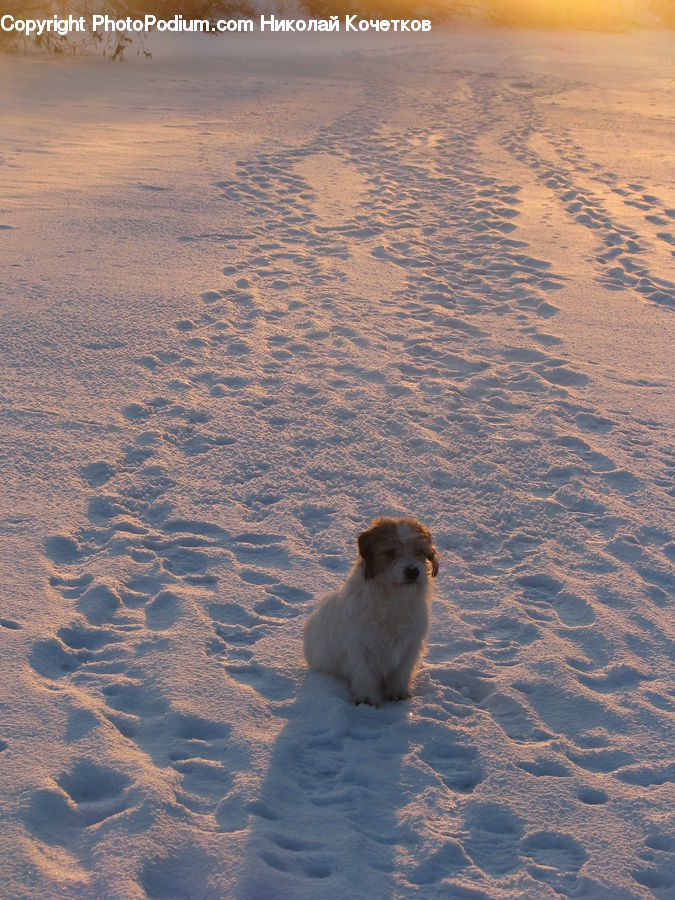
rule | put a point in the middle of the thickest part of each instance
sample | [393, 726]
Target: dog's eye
[390, 553]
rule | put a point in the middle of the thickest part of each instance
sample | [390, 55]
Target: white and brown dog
[371, 632]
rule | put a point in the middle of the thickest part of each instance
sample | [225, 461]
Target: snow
[256, 292]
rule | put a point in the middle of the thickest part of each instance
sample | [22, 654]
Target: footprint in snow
[456, 763]
[85, 796]
[556, 859]
[492, 839]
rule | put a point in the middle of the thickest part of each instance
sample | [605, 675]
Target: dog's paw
[368, 701]
[399, 695]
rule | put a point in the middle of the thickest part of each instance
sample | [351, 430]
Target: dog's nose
[411, 573]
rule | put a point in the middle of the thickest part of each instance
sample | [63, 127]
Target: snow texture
[255, 293]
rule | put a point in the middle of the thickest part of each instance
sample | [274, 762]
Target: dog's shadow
[326, 821]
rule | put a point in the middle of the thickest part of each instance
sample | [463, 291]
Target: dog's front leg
[397, 683]
[365, 686]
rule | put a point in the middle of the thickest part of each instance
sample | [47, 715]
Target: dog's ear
[429, 549]
[366, 541]
[380, 534]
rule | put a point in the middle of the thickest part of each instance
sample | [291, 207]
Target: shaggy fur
[371, 632]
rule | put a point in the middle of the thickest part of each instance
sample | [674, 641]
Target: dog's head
[398, 551]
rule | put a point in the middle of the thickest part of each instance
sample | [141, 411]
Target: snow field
[377, 335]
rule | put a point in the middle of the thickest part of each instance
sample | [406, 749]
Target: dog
[371, 632]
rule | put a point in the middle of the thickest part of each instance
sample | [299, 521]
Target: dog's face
[397, 551]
